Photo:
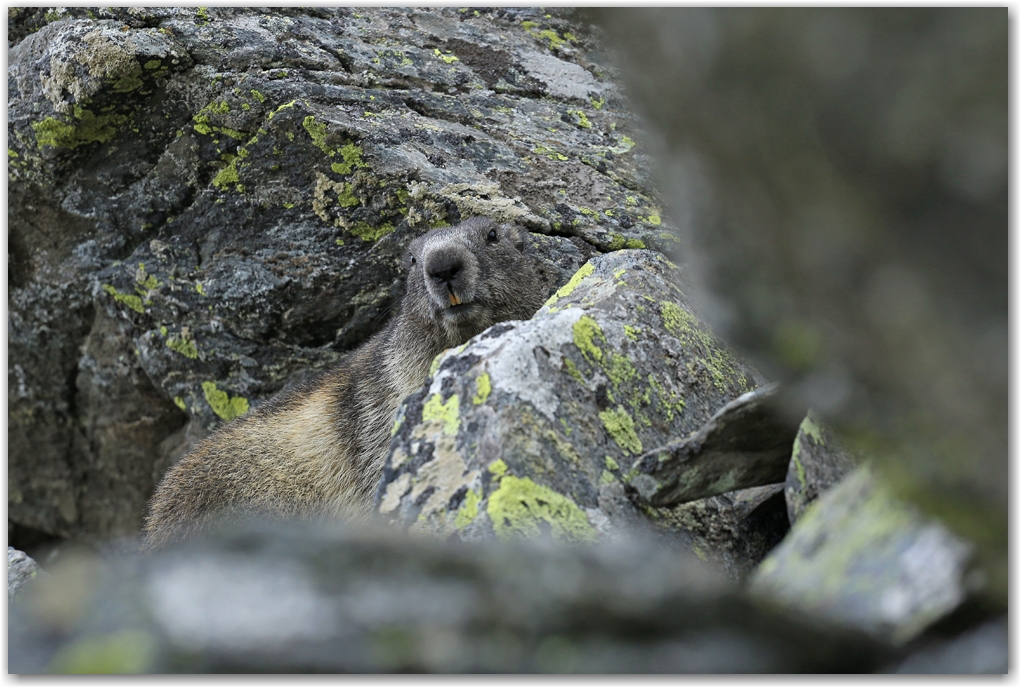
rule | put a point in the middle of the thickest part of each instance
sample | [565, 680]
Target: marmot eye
[493, 236]
[414, 261]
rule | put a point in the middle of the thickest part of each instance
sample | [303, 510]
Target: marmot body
[318, 449]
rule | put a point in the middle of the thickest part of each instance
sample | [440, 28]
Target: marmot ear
[519, 234]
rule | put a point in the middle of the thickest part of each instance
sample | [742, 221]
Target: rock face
[843, 174]
[861, 558]
[819, 461]
[531, 427]
[327, 600]
[746, 443]
[207, 204]
[20, 569]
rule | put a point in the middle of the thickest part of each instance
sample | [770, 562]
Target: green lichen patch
[228, 175]
[498, 467]
[446, 413]
[468, 510]
[222, 404]
[351, 155]
[179, 402]
[448, 58]
[89, 128]
[572, 370]
[582, 118]
[606, 477]
[484, 385]
[366, 232]
[317, 130]
[619, 241]
[182, 345]
[719, 362]
[522, 508]
[586, 332]
[124, 652]
[620, 426]
[548, 152]
[568, 288]
[611, 464]
[631, 332]
[130, 300]
[620, 370]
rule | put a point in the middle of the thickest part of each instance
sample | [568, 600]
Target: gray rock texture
[982, 650]
[20, 570]
[746, 443]
[842, 173]
[531, 427]
[206, 204]
[819, 461]
[860, 557]
[309, 599]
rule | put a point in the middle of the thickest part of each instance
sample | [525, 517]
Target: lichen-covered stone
[818, 462]
[215, 202]
[746, 443]
[860, 557]
[613, 362]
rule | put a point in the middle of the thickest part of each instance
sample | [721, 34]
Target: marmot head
[466, 278]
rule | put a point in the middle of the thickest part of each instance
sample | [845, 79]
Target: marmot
[319, 448]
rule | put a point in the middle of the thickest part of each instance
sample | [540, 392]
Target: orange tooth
[454, 300]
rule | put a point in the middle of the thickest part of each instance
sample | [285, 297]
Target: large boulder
[533, 427]
[208, 203]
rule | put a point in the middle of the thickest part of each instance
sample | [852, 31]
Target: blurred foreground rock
[861, 558]
[984, 649]
[842, 175]
[316, 599]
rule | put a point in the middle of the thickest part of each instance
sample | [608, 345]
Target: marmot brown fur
[319, 448]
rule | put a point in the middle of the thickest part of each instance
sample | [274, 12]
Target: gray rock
[861, 558]
[820, 460]
[982, 650]
[746, 443]
[530, 427]
[840, 175]
[208, 204]
[735, 530]
[323, 599]
[21, 568]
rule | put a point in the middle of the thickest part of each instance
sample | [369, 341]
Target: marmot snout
[318, 449]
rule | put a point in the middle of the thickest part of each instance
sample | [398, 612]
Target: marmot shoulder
[318, 449]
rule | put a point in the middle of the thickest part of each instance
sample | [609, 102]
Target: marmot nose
[444, 267]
